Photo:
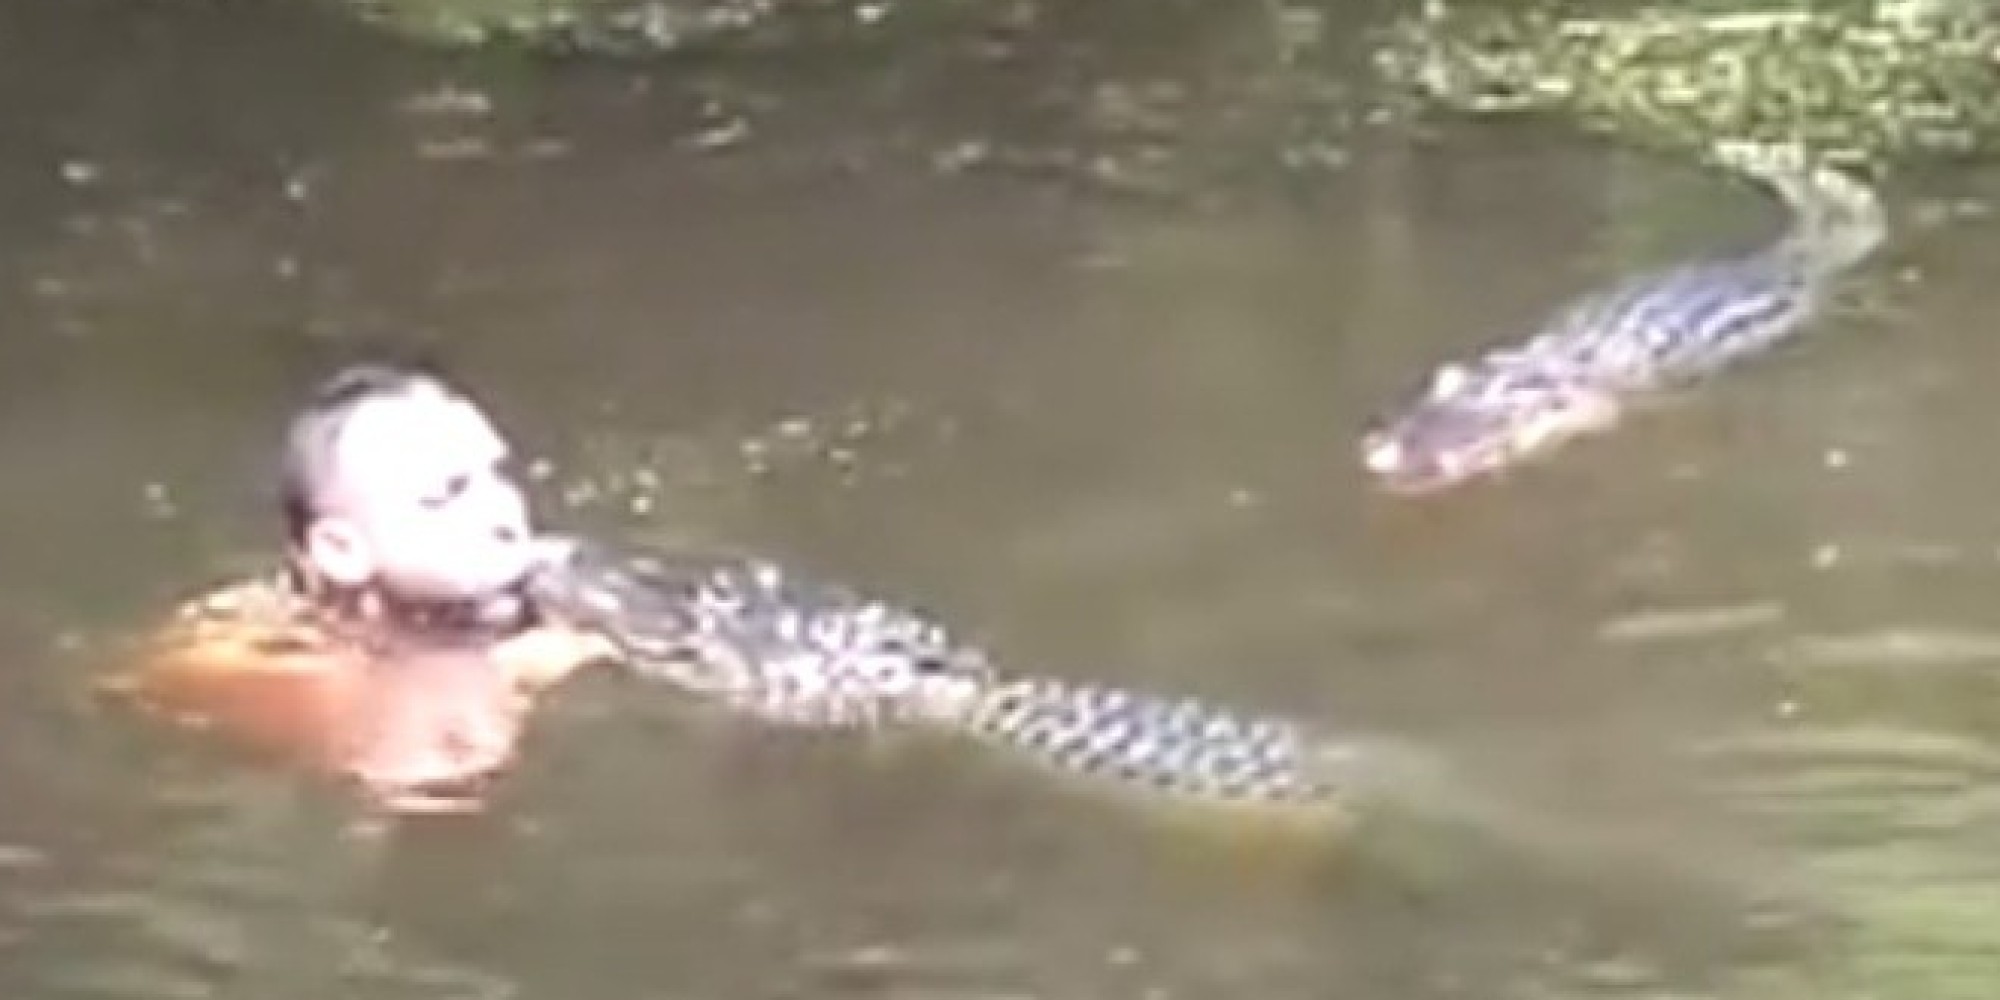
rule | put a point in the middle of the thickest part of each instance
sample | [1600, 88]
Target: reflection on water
[1113, 442]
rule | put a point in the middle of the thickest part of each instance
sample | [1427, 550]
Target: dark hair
[316, 426]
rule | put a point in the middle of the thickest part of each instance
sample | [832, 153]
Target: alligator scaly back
[773, 647]
[1579, 372]
[1182, 752]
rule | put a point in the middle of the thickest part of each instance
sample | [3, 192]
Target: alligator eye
[940, 666]
[955, 664]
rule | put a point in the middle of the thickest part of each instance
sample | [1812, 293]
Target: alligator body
[1579, 373]
[784, 650]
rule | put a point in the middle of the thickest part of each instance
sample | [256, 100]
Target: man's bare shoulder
[251, 622]
[246, 658]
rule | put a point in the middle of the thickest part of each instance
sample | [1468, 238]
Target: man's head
[394, 480]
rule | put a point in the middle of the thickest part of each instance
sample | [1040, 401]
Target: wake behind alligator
[1579, 374]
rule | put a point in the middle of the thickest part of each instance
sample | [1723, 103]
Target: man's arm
[240, 661]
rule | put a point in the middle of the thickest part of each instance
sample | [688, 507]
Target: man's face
[417, 501]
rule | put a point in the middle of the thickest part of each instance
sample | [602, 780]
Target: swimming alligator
[770, 645]
[1656, 331]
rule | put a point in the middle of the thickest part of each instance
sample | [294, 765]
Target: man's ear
[338, 553]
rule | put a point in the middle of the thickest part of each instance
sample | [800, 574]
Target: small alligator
[1649, 333]
[762, 642]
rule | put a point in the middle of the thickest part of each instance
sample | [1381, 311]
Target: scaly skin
[746, 634]
[1577, 375]
[788, 651]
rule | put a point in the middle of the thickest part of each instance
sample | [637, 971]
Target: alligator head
[765, 641]
[1475, 422]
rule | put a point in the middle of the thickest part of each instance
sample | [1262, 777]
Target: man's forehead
[421, 432]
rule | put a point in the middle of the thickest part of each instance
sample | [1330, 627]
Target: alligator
[777, 647]
[771, 645]
[1659, 330]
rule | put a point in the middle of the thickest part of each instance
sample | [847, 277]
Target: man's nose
[504, 509]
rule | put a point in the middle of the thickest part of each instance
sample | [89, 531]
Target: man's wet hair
[317, 425]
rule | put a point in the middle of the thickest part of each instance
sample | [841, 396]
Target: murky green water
[1747, 638]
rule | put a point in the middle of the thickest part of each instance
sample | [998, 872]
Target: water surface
[1111, 439]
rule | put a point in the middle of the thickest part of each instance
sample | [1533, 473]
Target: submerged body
[1580, 372]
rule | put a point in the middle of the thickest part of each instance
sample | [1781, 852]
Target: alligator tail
[1257, 776]
[1838, 219]
[1175, 749]
[1186, 754]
